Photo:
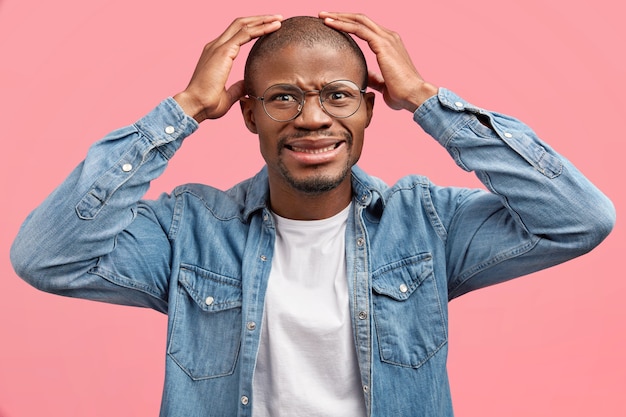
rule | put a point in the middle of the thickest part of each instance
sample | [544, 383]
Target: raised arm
[540, 210]
[93, 237]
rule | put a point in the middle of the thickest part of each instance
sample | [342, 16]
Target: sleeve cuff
[167, 123]
[443, 114]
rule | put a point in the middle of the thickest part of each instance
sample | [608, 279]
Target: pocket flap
[400, 279]
[212, 292]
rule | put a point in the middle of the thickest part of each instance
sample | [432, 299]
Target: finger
[355, 23]
[250, 21]
[387, 45]
[243, 30]
[240, 32]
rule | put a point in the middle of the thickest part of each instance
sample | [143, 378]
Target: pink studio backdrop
[550, 344]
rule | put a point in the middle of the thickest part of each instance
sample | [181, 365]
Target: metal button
[169, 130]
[251, 325]
[244, 400]
[360, 241]
[362, 315]
[127, 167]
[366, 388]
[364, 198]
[263, 258]
[403, 288]
[209, 300]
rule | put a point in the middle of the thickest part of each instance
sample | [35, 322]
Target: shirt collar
[366, 190]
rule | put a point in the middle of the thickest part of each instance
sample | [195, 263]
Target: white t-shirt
[307, 363]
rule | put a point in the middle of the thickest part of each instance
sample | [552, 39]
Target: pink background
[551, 344]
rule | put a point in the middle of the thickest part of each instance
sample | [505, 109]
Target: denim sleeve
[65, 245]
[540, 210]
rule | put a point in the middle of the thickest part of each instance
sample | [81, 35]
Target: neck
[297, 205]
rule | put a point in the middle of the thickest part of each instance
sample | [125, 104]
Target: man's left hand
[399, 82]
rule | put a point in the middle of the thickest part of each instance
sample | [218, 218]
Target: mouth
[315, 150]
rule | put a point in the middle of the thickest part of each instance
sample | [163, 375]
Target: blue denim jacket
[203, 256]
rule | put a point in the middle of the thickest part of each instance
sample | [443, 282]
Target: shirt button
[263, 258]
[366, 388]
[169, 130]
[360, 241]
[244, 400]
[251, 325]
[508, 135]
[362, 315]
[403, 288]
[127, 167]
[459, 104]
[209, 300]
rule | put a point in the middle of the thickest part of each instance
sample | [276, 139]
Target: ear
[247, 110]
[369, 104]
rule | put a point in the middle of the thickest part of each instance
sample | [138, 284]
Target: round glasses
[284, 102]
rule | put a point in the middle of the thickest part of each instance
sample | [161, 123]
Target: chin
[318, 184]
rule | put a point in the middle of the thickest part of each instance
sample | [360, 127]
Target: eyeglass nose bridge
[303, 102]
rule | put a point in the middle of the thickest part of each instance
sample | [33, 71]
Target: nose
[313, 116]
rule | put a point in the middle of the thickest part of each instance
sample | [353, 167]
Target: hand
[399, 81]
[206, 96]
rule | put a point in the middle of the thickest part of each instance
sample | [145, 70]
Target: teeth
[313, 151]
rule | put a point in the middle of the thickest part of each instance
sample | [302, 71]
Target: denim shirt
[203, 256]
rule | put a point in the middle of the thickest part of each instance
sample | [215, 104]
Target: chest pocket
[206, 328]
[408, 314]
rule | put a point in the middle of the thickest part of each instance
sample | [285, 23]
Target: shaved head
[306, 32]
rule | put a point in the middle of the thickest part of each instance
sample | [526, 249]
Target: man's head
[311, 153]
[305, 32]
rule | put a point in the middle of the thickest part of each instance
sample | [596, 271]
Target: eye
[283, 94]
[283, 98]
[338, 97]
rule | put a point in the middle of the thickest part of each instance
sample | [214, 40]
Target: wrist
[422, 93]
[190, 106]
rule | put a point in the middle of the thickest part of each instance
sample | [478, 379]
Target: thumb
[230, 96]
[375, 81]
[236, 91]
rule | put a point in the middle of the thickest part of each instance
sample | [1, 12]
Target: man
[311, 289]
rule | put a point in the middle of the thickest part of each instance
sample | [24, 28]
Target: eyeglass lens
[284, 102]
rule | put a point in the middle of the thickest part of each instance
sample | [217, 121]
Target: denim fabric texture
[203, 256]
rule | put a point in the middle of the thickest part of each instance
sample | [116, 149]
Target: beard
[317, 183]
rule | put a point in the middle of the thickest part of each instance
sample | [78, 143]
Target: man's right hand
[206, 96]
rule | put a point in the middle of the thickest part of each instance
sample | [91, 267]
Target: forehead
[307, 66]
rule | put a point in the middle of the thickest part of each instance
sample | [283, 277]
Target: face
[314, 152]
